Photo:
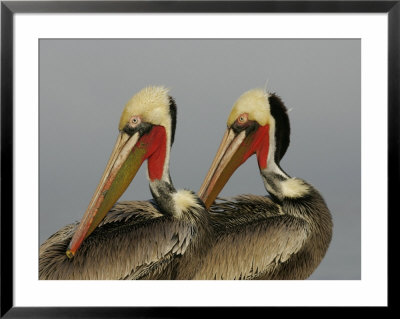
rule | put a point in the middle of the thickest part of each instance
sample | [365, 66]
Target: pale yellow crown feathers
[151, 104]
[255, 104]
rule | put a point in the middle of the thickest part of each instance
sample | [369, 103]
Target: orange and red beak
[125, 160]
[234, 150]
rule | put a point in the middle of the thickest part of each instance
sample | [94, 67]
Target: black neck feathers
[282, 126]
[172, 112]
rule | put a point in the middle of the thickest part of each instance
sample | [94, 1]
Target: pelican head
[146, 132]
[258, 124]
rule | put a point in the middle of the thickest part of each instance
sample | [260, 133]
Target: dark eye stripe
[129, 129]
[142, 128]
[248, 126]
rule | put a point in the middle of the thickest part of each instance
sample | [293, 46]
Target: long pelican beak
[234, 150]
[229, 157]
[125, 160]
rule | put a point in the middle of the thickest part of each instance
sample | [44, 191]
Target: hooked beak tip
[70, 254]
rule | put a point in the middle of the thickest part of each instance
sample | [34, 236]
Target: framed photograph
[68, 69]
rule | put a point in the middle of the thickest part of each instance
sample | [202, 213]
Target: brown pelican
[284, 236]
[137, 239]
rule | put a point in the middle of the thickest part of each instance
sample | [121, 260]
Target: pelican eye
[242, 118]
[134, 121]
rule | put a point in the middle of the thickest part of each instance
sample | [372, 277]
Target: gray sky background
[84, 85]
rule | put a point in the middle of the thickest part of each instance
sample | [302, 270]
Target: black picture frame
[9, 8]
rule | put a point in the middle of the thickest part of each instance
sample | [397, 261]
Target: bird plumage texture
[258, 237]
[134, 241]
